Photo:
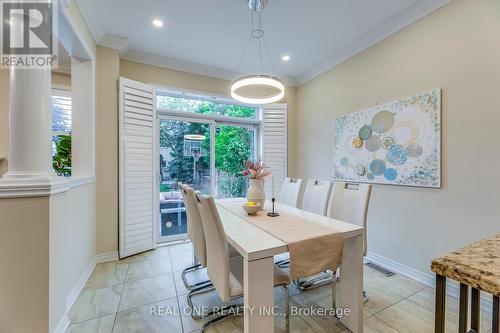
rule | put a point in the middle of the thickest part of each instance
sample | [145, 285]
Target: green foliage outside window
[61, 161]
[233, 145]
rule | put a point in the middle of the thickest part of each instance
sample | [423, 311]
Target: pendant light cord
[257, 33]
[260, 43]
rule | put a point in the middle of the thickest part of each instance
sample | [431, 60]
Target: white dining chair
[291, 195]
[316, 196]
[314, 199]
[196, 235]
[348, 203]
[225, 272]
[291, 192]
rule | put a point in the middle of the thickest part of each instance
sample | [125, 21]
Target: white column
[30, 124]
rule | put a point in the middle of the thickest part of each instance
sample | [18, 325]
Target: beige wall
[457, 49]
[61, 79]
[24, 254]
[107, 73]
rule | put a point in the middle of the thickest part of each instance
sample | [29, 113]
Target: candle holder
[273, 213]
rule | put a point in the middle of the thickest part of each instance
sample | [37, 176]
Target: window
[205, 106]
[61, 132]
[202, 143]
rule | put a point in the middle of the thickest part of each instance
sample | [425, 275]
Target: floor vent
[382, 270]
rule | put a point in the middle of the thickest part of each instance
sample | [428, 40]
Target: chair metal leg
[334, 296]
[195, 285]
[287, 307]
[198, 314]
[440, 304]
[475, 310]
[463, 308]
[496, 313]
[325, 278]
[228, 311]
[283, 263]
[365, 296]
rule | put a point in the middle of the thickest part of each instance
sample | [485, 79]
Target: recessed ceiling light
[285, 58]
[158, 23]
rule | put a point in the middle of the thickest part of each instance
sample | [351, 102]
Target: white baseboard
[452, 287]
[63, 324]
[105, 257]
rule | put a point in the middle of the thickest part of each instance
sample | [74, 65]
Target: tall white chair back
[194, 223]
[217, 247]
[291, 192]
[350, 204]
[316, 196]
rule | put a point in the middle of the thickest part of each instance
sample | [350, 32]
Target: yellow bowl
[251, 210]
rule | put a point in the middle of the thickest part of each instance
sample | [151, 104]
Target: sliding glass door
[205, 154]
[233, 145]
[185, 149]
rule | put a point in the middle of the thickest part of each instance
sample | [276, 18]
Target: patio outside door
[185, 151]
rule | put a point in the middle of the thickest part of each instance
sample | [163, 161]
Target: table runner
[313, 248]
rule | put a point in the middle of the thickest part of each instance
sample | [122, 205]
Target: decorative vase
[256, 192]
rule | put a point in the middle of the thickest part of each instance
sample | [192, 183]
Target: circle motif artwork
[377, 167]
[387, 142]
[360, 170]
[382, 121]
[357, 142]
[391, 174]
[365, 132]
[373, 143]
[344, 161]
[397, 155]
[415, 149]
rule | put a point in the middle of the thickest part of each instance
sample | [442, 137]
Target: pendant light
[257, 88]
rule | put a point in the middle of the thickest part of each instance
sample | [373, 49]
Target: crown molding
[189, 67]
[413, 13]
[95, 26]
[64, 3]
[115, 42]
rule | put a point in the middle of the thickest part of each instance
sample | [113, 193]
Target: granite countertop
[476, 265]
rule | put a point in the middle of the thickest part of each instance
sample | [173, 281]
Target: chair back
[350, 204]
[217, 247]
[291, 191]
[194, 223]
[316, 196]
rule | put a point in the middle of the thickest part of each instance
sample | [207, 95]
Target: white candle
[272, 183]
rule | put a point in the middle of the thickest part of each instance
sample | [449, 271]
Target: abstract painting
[398, 143]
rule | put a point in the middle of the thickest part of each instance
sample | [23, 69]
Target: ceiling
[209, 36]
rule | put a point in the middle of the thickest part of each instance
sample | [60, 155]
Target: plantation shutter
[138, 195]
[274, 145]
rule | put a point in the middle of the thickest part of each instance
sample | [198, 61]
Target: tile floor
[119, 295]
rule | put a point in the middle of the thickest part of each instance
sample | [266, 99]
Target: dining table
[258, 248]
